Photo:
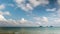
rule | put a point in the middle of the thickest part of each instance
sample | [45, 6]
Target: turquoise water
[31, 30]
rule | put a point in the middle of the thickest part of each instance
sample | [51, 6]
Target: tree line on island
[46, 26]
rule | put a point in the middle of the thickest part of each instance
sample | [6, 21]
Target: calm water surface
[30, 30]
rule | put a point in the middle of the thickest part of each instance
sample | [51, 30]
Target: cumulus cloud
[45, 19]
[2, 6]
[4, 21]
[23, 20]
[53, 9]
[32, 3]
[17, 23]
[54, 19]
[3, 13]
[54, 22]
[27, 23]
[2, 18]
[8, 23]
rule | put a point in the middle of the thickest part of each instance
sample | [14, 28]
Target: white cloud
[26, 23]
[27, 7]
[19, 1]
[55, 13]
[57, 20]
[22, 5]
[54, 19]
[4, 13]
[7, 13]
[4, 21]
[30, 6]
[37, 18]
[58, 12]
[53, 9]
[58, 2]
[1, 15]
[38, 2]
[12, 22]
[17, 23]
[8, 23]
[2, 6]
[23, 20]
[2, 18]
[45, 19]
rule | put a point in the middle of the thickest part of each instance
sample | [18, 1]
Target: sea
[29, 30]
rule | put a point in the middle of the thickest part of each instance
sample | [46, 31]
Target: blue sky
[30, 12]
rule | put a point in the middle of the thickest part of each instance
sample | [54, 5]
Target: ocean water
[30, 30]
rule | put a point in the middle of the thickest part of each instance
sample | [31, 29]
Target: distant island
[46, 26]
[41, 26]
[51, 26]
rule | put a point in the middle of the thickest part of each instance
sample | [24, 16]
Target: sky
[29, 13]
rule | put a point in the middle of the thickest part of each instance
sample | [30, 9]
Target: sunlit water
[30, 30]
